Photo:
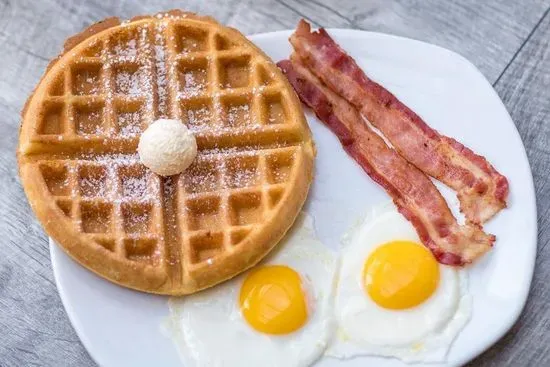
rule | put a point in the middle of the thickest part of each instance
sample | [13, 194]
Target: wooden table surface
[508, 40]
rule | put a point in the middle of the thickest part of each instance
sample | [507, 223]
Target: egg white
[422, 333]
[209, 329]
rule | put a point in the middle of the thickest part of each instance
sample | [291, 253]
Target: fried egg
[393, 298]
[277, 314]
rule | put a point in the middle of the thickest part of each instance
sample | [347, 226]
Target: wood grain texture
[525, 89]
[509, 41]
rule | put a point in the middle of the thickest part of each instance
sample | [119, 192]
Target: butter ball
[167, 147]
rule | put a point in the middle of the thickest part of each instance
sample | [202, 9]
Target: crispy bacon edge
[415, 196]
[481, 190]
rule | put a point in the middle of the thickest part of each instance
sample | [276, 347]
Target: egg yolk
[400, 275]
[272, 300]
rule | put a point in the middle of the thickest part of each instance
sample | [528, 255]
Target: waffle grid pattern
[96, 107]
[115, 88]
[113, 204]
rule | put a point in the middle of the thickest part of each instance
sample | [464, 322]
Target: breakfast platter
[388, 220]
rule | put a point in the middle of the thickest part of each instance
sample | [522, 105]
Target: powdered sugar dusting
[93, 186]
[125, 50]
[147, 71]
[89, 122]
[129, 124]
[192, 83]
[169, 189]
[244, 151]
[127, 83]
[136, 221]
[126, 170]
[115, 159]
[257, 91]
[238, 114]
[160, 65]
[202, 177]
[198, 117]
[93, 86]
[242, 177]
[134, 187]
[147, 75]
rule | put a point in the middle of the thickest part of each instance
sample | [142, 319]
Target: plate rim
[477, 351]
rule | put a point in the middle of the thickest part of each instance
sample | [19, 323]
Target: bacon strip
[415, 196]
[481, 190]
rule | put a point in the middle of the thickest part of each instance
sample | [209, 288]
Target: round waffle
[179, 234]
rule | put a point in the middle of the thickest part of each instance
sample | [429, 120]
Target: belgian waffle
[175, 235]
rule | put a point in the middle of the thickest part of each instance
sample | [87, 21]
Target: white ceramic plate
[120, 327]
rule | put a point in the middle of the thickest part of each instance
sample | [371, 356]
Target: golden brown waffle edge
[194, 236]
